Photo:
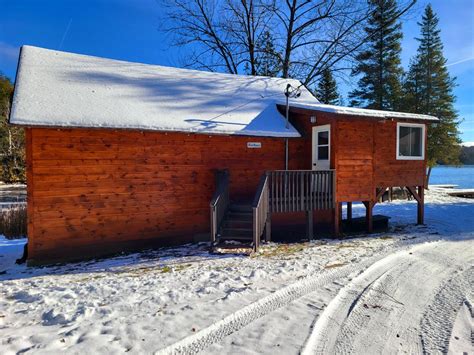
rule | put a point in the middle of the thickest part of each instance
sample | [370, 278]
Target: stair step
[233, 244]
[238, 223]
[240, 208]
[241, 215]
[225, 247]
[235, 234]
[237, 231]
[235, 237]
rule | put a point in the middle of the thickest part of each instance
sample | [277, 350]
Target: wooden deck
[468, 193]
[443, 186]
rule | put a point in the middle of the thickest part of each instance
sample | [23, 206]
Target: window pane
[323, 138]
[323, 153]
[410, 141]
[404, 147]
[416, 141]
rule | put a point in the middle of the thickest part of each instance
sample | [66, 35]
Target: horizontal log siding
[97, 191]
[100, 191]
[363, 153]
[354, 160]
[388, 171]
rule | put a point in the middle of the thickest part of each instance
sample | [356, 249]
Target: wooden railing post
[219, 203]
[268, 227]
[261, 210]
[256, 228]
[213, 224]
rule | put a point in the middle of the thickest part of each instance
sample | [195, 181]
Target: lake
[462, 176]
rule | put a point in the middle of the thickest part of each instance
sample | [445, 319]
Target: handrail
[290, 191]
[260, 210]
[219, 202]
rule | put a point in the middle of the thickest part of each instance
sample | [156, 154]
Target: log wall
[363, 153]
[101, 191]
[96, 192]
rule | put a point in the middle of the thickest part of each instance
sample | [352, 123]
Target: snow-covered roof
[355, 111]
[60, 89]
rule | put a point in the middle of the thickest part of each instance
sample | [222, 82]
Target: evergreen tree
[429, 90]
[267, 61]
[326, 92]
[379, 63]
[12, 141]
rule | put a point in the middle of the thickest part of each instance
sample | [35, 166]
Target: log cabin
[123, 156]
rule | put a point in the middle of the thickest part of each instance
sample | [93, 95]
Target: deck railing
[301, 190]
[220, 202]
[261, 210]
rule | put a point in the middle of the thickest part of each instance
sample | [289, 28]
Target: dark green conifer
[379, 86]
[326, 91]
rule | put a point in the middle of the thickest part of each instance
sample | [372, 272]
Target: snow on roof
[355, 111]
[60, 89]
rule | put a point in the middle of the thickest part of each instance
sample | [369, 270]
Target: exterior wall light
[313, 119]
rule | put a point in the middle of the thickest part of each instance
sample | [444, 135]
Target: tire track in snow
[345, 326]
[324, 337]
[239, 319]
[438, 320]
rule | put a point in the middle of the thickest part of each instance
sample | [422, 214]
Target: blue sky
[129, 30]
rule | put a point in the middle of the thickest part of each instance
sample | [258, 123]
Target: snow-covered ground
[408, 290]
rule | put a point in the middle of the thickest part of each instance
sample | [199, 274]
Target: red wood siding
[97, 190]
[363, 153]
[388, 171]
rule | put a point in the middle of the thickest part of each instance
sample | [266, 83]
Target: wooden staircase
[236, 230]
[239, 228]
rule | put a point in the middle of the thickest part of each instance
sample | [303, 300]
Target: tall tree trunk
[289, 40]
[10, 142]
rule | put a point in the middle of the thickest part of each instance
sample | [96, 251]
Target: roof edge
[14, 86]
[260, 134]
[362, 112]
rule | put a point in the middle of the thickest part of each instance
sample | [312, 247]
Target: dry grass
[332, 266]
[282, 250]
[13, 222]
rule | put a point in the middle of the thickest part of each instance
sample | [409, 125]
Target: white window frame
[423, 132]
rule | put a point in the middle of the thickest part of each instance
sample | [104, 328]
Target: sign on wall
[254, 145]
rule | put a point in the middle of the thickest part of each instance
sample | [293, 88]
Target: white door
[321, 147]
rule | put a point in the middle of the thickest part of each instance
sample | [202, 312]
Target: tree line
[314, 41]
[12, 139]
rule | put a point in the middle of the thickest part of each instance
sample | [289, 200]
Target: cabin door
[321, 147]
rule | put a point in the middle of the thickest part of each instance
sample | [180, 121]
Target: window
[410, 141]
[323, 145]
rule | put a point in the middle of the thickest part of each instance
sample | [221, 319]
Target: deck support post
[349, 212]
[418, 193]
[309, 224]
[369, 205]
[421, 205]
[268, 228]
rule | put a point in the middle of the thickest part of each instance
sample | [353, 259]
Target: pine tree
[267, 61]
[326, 92]
[379, 63]
[429, 90]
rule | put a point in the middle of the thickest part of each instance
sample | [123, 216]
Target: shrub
[13, 222]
